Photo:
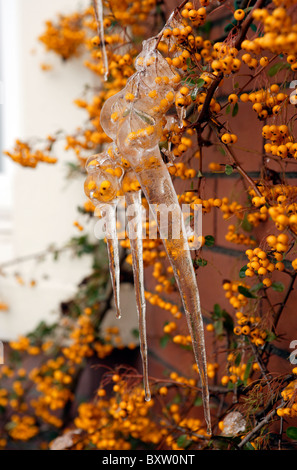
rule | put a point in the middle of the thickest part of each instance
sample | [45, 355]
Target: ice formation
[134, 119]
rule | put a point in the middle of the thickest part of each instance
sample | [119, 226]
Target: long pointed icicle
[101, 186]
[113, 252]
[98, 8]
[135, 236]
[157, 186]
[135, 124]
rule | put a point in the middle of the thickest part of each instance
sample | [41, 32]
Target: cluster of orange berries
[109, 423]
[250, 325]
[131, 13]
[229, 138]
[91, 137]
[182, 171]
[281, 143]
[207, 204]
[180, 137]
[231, 208]
[52, 383]
[266, 102]
[22, 428]
[289, 396]
[24, 155]
[238, 238]
[214, 106]
[3, 397]
[282, 209]
[23, 344]
[236, 372]
[164, 284]
[235, 298]
[65, 37]
[261, 264]
[212, 368]
[155, 299]
[78, 225]
[279, 36]
[170, 327]
[279, 244]
[183, 340]
[197, 17]
[84, 341]
[192, 427]
[224, 59]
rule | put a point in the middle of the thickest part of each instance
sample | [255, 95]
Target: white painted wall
[43, 204]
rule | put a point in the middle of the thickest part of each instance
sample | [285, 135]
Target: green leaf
[135, 333]
[242, 271]
[257, 287]
[209, 240]
[228, 109]
[278, 286]
[200, 82]
[253, 27]
[218, 326]
[228, 170]
[247, 370]
[292, 432]
[172, 280]
[221, 150]
[270, 336]
[200, 262]
[249, 446]
[189, 81]
[228, 28]
[227, 321]
[277, 68]
[217, 311]
[246, 225]
[244, 291]
[182, 440]
[206, 28]
[235, 110]
[198, 401]
[164, 340]
[237, 360]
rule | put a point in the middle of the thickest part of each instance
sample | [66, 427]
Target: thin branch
[284, 302]
[257, 428]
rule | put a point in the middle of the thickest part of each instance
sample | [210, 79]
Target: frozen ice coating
[102, 186]
[157, 186]
[109, 211]
[133, 199]
[134, 119]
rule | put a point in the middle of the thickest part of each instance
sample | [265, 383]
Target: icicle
[157, 186]
[98, 8]
[102, 186]
[113, 251]
[136, 127]
[135, 236]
